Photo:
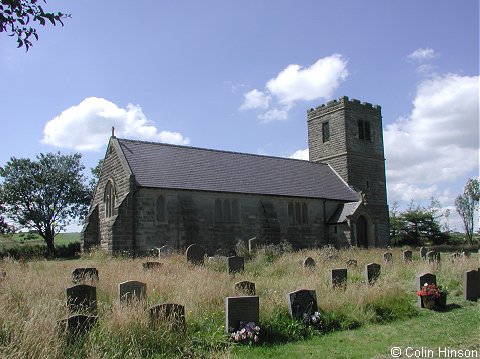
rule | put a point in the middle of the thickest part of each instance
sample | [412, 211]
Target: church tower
[347, 134]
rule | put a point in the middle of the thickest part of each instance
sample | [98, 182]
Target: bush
[39, 251]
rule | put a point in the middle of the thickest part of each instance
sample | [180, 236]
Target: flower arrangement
[429, 291]
[311, 319]
[248, 333]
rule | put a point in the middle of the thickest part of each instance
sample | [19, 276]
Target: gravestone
[235, 264]
[132, 290]
[302, 302]
[388, 258]
[421, 280]
[170, 314]
[407, 256]
[151, 265]
[433, 257]
[372, 272]
[76, 325]
[80, 275]
[309, 263]
[245, 288]
[252, 245]
[471, 285]
[82, 298]
[338, 278]
[165, 251]
[195, 254]
[352, 263]
[423, 252]
[241, 309]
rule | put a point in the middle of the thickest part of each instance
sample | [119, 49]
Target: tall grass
[33, 299]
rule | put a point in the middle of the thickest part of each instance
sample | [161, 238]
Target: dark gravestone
[423, 252]
[372, 272]
[252, 245]
[309, 263]
[407, 256]
[471, 285]
[195, 254]
[165, 251]
[170, 314]
[421, 280]
[235, 264]
[352, 263]
[241, 309]
[338, 278]
[302, 302]
[245, 288]
[433, 257]
[82, 298]
[81, 275]
[151, 265]
[388, 258]
[132, 291]
[76, 325]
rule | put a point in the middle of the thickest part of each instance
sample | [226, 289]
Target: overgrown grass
[33, 299]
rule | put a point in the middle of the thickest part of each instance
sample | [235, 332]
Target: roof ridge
[224, 151]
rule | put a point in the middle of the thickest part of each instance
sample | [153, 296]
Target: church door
[362, 231]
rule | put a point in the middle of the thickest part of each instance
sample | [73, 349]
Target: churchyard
[347, 303]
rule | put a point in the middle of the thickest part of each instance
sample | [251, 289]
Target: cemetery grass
[32, 300]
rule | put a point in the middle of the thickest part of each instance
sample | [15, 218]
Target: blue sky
[240, 75]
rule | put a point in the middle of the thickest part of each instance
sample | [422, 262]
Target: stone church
[153, 194]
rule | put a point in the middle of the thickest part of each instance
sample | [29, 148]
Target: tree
[44, 195]
[17, 16]
[466, 205]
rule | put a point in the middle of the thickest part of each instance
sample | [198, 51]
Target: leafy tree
[17, 18]
[466, 205]
[44, 195]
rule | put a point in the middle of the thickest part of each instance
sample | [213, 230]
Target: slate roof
[159, 165]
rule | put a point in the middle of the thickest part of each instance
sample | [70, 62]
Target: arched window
[304, 213]
[235, 211]
[109, 199]
[160, 208]
[291, 214]
[226, 210]
[298, 214]
[218, 210]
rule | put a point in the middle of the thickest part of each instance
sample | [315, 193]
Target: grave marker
[195, 254]
[407, 256]
[433, 257]
[81, 275]
[302, 302]
[252, 245]
[151, 265]
[245, 288]
[241, 309]
[132, 290]
[423, 252]
[82, 298]
[235, 264]
[169, 313]
[421, 280]
[76, 325]
[372, 272]
[471, 285]
[388, 258]
[165, 251]
[352, 263]
[309, 263]
[338, 278]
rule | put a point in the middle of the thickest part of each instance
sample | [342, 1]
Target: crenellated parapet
[343, 101]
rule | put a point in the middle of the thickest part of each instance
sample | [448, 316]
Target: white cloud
[87, 126]
[422, 54]
[297, 83]
[437, 143]
[255, 99]
[300, 155]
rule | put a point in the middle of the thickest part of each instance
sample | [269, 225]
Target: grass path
[457, 328]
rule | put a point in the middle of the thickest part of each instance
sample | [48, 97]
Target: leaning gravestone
[471, 285]
[151, 265]
[245, 287]
[76, 325]
[235, 264]
[338, 278]
[407, 256]
[170, 314]
[423, 252]
[433, 257]
[195, 254]
[132, 290]
[252, 245]
[372, 272]
[80, 275]
[352, 263]
[309, 263]
[241, 309]
[165, 251]
[388, 257]
[421, 280]
[302, 302]
[82, 298]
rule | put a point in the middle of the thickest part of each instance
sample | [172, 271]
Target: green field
[21, 239]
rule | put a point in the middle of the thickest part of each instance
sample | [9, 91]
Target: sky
[240, 76]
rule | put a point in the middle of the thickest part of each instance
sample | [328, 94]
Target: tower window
[364, 130]
[109, 199]
[325, 131]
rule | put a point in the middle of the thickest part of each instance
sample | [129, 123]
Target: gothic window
[109, 199]
[325, 131]
[218, 210]
[226, 210]
[161, 209]
[235, 211]
[364, 130]
[291, 214]
[297, 213]
[304, 213]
